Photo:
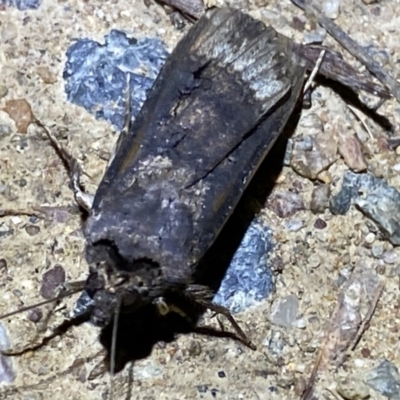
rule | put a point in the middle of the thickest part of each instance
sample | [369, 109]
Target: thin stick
[353, 47]
[368, 317]
[314, 72]
[360, 117]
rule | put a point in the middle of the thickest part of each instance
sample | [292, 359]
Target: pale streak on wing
[228, 40]
[258, 60]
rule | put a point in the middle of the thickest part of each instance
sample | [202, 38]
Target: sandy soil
[31, 174]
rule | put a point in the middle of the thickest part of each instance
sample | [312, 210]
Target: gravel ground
[333, 266]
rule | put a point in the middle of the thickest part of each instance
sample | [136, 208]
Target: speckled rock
[9, 32]
[313, 154]
[20, 112]
[248, 279]
[285, 310]
[90, 64]
[352, 389]
[375, 198]
[52, 279]
[22, 4]
[320, 199]
[285, 204]
[385, 379]
[331, 8]
[6, 371]
[350, 148]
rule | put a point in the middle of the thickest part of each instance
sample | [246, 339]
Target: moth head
[108, 298]
[116, 282]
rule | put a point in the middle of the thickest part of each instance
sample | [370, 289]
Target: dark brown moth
[178, 171]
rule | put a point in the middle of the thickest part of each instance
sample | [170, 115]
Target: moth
[178, 171]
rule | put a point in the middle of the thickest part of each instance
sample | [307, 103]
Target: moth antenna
[127, 119]
[72, 165]
[114, 347]
[126, 128]
[42, 303]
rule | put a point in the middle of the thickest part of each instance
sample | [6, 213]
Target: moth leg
[193, 300]
[220, 310]
[75, 171]
[60, 330]
[202, 296]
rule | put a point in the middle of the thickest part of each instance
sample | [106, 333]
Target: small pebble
[275, 343]
[350, 148]
[389, 257]
[202, 388]
[3, 265]
[17, 293]
[377, 249]
[352, 389]
[392, 272]
[3, 187]
[300, 385]
[3, 91]
[313, 154]
[35, 315]
[315, 36]
[285, 383]
[320, 224]
[314, 261]
[285, 204]
[294, 225]
[320, 199]
[194, 348]
[20, 111]
[331, 8]
[22, 182]
[46, 75]
[379, 201]
[381, 269]
[370, 238]
[52, 279]
[32, 230]
[5, 130]
[300, 323]
[285, 310]
[325, 177]
[365, 352]
[301, 368]
[9, 32]
[214, 392]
